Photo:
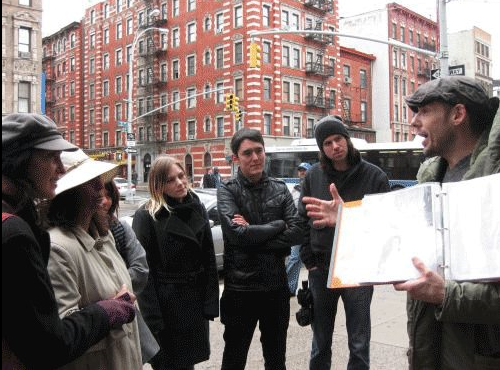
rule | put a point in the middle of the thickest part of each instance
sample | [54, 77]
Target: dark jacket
[361, 179]
[30, 321]
[254, 255]
[463, 333]
[182, 292]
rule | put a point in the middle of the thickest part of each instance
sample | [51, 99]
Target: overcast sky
[461, 15]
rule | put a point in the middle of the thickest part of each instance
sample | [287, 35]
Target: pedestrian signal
[229, 101]
[255, 55]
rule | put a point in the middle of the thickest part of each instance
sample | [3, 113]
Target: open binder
[454, 229]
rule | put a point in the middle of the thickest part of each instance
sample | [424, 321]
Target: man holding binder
[340, 164]
[451, 325]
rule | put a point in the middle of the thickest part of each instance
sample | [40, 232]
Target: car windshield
[121, 181]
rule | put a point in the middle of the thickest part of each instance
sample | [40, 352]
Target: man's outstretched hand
[323, 212]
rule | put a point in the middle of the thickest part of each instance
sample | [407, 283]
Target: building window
[238, 87]
[410, 37]
[141, 133]
[175, 8]
[24, 45]
[163, 132]
[266, 12]
[267, 124]
[118, 84]
[207, 91]
[105, 61]
[296, 93]
[296, 126]
[220, 92]
[191, 65]
[219, 58]
[92, 17]
[286, 91]
[175, 38]
[118, 112]
[176, 131]
[91, 117]
[118, 138]
[238, 16]
[364, 106]
[163, 103]
[72, 40]
[285, 19]
[119, 31]
[105, 139]
[286, 56]
[105, 114]
[362, 79]
[191, 129]
[347, 71]
[309, 128]
[92, 91]
[207, 59]
[23, 97]
[219, 22]
[191, 5]
[191, 99]
[266, 52]
[92, 41]
[72, 88]
[175, 100]
[163, 72]
[106, 36]
[72, 64]
[267, 88]
[191, 33]
[105, 88]
[206, 127]
[238, 52]
[402, 34]
[25, 2]
[395, 58]
[175, 69]
[206, 23]
[91, 141]
[296, 58]
[286, 125]
[220, 126]
[394, 31]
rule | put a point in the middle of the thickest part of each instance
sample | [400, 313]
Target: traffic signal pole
[443, 39]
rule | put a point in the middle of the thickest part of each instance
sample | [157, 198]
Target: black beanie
[327, 126]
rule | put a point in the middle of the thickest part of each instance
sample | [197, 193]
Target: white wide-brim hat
[80, 168]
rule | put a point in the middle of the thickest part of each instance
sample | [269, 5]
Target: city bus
[399, 160]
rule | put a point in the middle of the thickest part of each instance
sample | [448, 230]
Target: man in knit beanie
[340, 164]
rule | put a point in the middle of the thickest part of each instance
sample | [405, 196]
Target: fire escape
[152, 77]
[318, 70]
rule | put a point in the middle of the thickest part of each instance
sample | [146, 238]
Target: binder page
[375, 241]
[473, 218]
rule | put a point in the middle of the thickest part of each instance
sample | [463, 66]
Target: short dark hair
[244, 134]
[114, 195]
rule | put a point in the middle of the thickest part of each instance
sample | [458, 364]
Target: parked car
[122, 185]
[209, 198]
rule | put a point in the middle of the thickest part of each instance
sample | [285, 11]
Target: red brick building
[175, 75]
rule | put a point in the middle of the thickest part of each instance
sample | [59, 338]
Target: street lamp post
[130, 112]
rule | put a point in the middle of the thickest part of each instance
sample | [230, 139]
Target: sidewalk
[388, 345]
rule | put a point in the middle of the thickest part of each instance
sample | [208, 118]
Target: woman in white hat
[33, 335]
[84, 263]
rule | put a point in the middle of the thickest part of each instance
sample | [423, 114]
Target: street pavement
[388, 344]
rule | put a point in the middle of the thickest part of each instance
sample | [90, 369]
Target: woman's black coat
[182, 293]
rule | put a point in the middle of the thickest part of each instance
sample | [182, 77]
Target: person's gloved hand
[120, 309]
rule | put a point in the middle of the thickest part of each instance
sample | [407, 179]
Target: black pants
[240, 312]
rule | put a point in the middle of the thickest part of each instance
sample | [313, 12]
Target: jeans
[293, 269]
[240, 312]
[357, 311]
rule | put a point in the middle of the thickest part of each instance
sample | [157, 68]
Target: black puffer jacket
[254, 255]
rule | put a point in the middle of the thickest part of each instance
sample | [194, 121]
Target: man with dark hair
[341, 164]
[208, 179]
[453, 324]
[260, 224]
[217, 177]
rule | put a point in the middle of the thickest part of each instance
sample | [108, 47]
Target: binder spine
[444, 232]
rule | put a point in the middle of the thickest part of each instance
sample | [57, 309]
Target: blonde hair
[158, 176]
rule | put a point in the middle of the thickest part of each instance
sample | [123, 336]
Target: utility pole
[443, 38]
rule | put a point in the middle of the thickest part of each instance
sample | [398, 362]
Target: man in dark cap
[454, 325]
[33, 335]
[451, 324]
[341, 164]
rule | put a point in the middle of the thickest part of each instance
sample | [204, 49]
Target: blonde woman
[182, 293]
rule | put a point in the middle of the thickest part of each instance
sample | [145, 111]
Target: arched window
[207, 160]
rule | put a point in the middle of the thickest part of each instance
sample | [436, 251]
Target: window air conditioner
[190, 137]
[219, 30]
[25, 54]
[347, 80]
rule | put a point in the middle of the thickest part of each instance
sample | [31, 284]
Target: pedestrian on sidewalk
[208, 179]
[33, 334]
[182, 293]
[259, 224]
[341, 164]
[294, 263]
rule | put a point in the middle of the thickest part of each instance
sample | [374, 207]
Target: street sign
[130, 139]
[130, 150]
[122, 123]
[452, 71]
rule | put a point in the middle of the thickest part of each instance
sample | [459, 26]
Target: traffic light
[255, 55]
[236, 103]
[229, 101]
[238, 115]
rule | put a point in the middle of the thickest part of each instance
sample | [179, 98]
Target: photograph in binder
[454, 229]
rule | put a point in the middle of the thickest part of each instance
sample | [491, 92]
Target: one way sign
[453, 71]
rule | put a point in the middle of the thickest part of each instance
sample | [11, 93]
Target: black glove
[120, 310]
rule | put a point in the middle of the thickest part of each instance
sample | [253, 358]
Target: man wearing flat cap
[340, 164]
[454, 325]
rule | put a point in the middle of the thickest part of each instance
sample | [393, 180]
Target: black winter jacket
[31, 326]
[254, 255]
[361, 179]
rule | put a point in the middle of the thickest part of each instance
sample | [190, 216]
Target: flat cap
[22, 131]
[452, 90]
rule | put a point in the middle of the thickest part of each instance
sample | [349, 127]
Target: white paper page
[377, 240]
[474, 228]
